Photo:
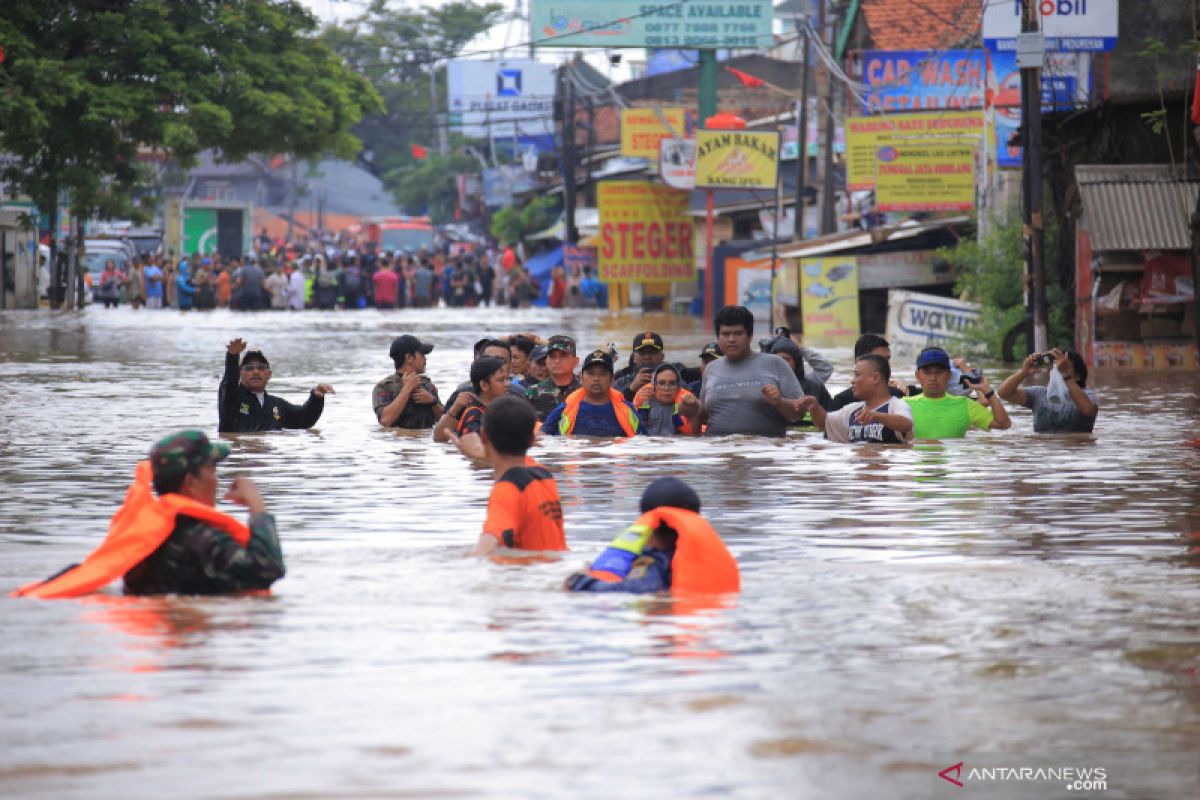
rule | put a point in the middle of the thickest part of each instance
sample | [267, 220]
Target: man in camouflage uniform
[198, 558]
[561, 361]
[406, 398]
[243, 405]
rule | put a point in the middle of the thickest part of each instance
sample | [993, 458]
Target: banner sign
[736, 159]
[925, 177]
[1066, 84]
[502, 100]
[636, 23]
[576, 259]
[642, 130]
[867, 136]
[677, 162]
[829, 297]
[918, 320]
[645, 233]
[921, 80]
[1068, 25]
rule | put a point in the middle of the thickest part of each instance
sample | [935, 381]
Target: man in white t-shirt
[876, 417]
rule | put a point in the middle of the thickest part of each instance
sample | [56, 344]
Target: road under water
[1010, 599]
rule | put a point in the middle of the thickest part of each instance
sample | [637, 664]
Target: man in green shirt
[938, 415]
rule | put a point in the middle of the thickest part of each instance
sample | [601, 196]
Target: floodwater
[1008, 600]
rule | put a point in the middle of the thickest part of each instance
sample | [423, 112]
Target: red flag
[418, 152]
[1196, 98]
[749, 81]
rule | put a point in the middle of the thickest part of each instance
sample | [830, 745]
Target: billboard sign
[829, 298]
[917, 320]
[1068, 25]
[502, 100]
[925, 177]
[645, 233]
[677, 162]
[867, 138]
[736, 159]
[642, 129]
[921, 80]
[707, 24]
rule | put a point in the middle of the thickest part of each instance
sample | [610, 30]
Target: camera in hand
[971, 377]
[1043, 359]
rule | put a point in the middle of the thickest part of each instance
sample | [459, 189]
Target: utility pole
[798, 232]
[707, 90]
[568, 134]
[1195, 221]
[590, 197]
[1037, 336]
[828, 223]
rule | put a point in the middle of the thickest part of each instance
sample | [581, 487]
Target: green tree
[429, 185]
[397, 51]
[512, 224]
[85, 86]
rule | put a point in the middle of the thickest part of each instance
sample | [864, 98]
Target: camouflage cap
[183, 452]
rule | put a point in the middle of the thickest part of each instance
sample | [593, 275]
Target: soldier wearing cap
[561, 361]
[710, 353]
[538, 371]
[406, 398]
[243, 405]
[595, 409]
[648, 354]
[199, 556]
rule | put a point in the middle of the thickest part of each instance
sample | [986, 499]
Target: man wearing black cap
[406, 398]
[939, 415]
[596, 409]
[537, 370]
[561, 361]
[243, 405]
[488, 347]
[710, 353]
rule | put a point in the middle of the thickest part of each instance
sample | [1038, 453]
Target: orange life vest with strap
[642, 400]
[140, 526]
[702, 562]
[627, 418]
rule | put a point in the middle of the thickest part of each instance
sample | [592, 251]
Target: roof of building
[923, 24]
[1137, 206]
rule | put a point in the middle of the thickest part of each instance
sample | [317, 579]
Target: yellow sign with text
[736, 160]
[868, 139]
[642, 130]
[926, 177]
[645, 233]
[829, 298]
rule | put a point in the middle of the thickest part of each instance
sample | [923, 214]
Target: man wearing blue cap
[939, 415]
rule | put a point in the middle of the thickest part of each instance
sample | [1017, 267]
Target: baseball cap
[711, 350]
[538, 353]
[560, 342]
[647, 339]
[403, 345]
[255, 355]
[933, 357]
[184, 451]
[598, 357]
[670, 492]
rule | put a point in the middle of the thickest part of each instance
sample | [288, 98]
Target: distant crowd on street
[295, 277]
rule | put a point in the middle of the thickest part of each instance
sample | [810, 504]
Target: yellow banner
[920, 177]
[736, 160]
[866, 137]
[642, 130]
[829, 298]
[645, 233]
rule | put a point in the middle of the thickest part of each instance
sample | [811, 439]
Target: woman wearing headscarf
[658, 405]
[789, 351]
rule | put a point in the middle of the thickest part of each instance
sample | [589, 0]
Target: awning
[855, 240]
[1137, 206]
[587, 223]
[539, 266]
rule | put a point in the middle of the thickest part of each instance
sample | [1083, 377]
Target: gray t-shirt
[732, 395]
[1059, 416]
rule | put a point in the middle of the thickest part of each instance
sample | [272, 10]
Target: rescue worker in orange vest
[596, 409]
[658, 405]
[669, 547]
[178, 542]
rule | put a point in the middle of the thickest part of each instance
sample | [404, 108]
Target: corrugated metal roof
[1137, 206]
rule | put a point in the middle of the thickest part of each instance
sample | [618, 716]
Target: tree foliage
[429, 186]
[512, 224]
[86, 85]
[398, 50]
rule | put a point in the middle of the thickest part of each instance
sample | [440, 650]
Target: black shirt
[239, 411]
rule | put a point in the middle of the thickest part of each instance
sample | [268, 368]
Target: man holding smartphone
[1066, 405]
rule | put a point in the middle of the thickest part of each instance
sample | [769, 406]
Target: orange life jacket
[702, 562]
[141, 524]
[627, 418]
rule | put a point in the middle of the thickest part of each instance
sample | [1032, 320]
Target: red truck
[406, 234]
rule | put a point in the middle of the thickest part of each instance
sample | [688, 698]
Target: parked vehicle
[405, 234]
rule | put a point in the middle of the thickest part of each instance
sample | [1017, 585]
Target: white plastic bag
[1056, 390]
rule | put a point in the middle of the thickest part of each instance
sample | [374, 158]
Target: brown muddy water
[1009, 600]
